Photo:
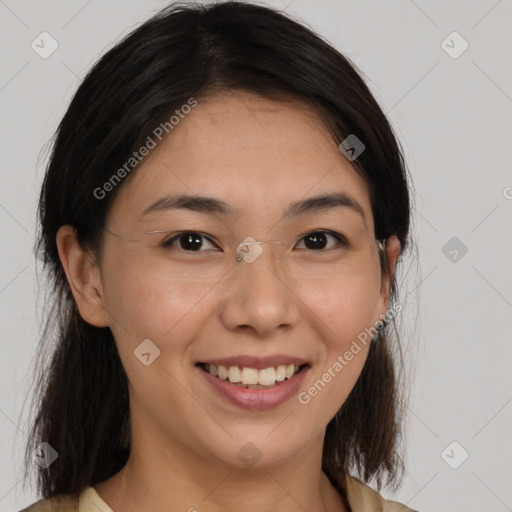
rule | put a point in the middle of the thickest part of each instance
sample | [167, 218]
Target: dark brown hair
[80, 403]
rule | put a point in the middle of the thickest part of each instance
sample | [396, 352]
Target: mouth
[253, 378]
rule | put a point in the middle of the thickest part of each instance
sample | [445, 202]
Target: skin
[185, 437]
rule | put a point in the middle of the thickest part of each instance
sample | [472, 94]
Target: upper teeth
[264, 377]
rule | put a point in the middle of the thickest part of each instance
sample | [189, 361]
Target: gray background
[453, 116]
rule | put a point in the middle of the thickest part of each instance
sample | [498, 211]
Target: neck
[153, 479]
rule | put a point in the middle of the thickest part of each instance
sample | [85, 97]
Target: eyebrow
[213, 206]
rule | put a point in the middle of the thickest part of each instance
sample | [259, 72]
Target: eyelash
[167, 244]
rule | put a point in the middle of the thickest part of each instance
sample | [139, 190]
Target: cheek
[345, 307]
[143, 303]
[342, 312]
[169, 314]
[144, 308]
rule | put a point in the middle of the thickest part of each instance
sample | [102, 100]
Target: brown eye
[189, 241]
[318, 240]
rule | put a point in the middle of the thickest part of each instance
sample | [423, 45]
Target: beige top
[361, 498]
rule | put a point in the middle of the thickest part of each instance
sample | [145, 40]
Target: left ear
[392, 249]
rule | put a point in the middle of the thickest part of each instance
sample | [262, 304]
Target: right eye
[189, 241]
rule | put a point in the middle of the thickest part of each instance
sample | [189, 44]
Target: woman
[222, 218]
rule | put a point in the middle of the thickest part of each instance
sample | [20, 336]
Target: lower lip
[250, 398]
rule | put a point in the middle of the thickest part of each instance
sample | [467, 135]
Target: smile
[250, 388]
[252, 377]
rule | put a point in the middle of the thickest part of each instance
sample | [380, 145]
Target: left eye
[318, 239]
[190, 241]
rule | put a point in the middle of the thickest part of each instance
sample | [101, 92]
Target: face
[258, 157]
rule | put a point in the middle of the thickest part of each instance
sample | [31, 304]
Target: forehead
[255, 154]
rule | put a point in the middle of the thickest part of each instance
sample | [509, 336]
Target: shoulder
[362, 497]
[57, 504]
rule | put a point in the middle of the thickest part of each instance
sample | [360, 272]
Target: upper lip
[259, 363]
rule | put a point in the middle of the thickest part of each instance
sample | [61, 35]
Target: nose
[258, 296]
